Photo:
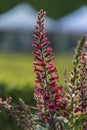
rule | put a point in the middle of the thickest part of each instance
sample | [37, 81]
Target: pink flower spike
[46, 73]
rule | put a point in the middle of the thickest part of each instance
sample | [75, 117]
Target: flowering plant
[57, 108]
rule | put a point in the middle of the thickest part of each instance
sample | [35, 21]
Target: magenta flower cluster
[48, 93]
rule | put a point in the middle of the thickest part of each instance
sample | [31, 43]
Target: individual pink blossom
[50, 59]
[54, 78]
[53, 84]
[47, 97]
[46, 120]
[52, 106]
[58, 90]
[0, 99]
[85, 45]
[59, 99]
[83, 58]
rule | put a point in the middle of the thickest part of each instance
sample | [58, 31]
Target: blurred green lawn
[17, 68]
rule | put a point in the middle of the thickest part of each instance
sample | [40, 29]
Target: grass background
[17, 68]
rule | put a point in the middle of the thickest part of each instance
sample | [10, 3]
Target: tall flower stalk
[83, 84]
[48, 94]
[77, 88]
[55, 109]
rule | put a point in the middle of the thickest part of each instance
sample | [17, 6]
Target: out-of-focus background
[65, 23]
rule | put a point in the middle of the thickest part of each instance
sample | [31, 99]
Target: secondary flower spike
[48, 94]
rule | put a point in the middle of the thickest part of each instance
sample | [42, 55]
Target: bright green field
[18, 68]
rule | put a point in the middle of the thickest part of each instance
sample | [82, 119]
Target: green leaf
[64, 122]
[41, 128]
[77, 124]
[66, 125]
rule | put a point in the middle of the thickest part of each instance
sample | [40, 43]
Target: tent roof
[22, 17]
[76, 22]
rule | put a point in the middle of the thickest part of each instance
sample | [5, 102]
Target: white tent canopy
[74, 23]
[22, 17]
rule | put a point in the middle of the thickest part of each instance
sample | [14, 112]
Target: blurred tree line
[54, 8]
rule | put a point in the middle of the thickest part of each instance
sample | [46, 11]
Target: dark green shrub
[25, 92]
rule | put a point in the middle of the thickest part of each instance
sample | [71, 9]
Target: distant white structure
[69, 29]
[74, 23]
[22, 17]
[17, 26]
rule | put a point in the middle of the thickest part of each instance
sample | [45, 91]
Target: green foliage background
[54, 8]
[17, 68]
